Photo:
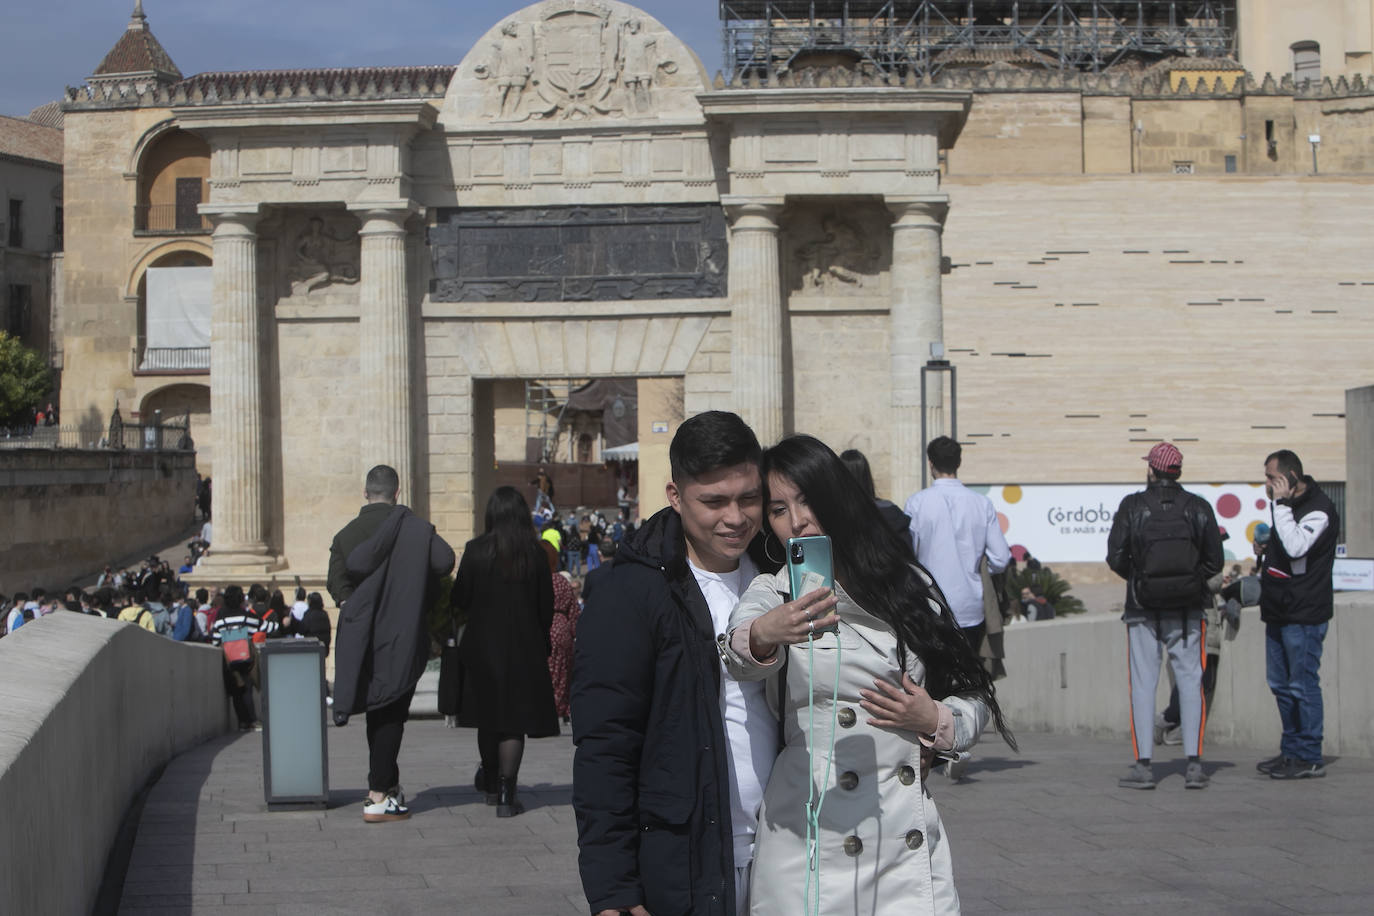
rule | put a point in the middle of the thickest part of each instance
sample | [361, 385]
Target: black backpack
[1168, 575]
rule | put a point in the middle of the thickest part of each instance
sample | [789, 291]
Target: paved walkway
[1046, 831]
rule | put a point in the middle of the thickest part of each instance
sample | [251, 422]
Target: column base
[240, 567]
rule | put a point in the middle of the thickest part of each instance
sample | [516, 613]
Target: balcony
[169, 219]
[170, 360]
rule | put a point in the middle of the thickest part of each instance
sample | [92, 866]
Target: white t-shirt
[298, 609]
[750, 727]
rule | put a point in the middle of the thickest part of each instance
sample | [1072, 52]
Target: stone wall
[70, 512]
[1090, 317]
[93, 707]
[1068, 676]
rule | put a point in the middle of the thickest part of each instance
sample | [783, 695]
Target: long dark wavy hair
[874, 568]
[511, 541]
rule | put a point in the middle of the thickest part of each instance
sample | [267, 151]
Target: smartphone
[809, 567]
[1292, 480]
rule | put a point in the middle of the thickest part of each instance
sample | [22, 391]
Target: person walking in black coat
[503, 584]
[384, 583]
[671, 758]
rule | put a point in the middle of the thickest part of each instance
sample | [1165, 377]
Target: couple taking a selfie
[759, 687]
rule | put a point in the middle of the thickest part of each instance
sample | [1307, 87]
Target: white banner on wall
[1069, 523]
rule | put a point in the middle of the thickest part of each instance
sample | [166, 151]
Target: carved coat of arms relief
[577, 62]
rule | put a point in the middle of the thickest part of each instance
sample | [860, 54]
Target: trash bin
[295, 762]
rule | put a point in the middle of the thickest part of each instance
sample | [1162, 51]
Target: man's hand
[792, 622]
[633, 911]
[1280, 487]
[908, 706]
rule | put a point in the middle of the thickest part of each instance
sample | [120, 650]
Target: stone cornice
[419, 113]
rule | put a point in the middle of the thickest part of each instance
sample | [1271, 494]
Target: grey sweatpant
[1147, 641]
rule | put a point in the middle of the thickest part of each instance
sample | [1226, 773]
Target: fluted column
[916, 321]
[756, 328]
[240, 530]
[384, 345]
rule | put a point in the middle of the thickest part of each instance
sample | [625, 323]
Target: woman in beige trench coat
[881, 848]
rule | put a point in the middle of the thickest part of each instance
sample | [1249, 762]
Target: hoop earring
[769, 539]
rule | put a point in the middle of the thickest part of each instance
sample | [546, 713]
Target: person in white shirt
[952, 530]
[299, 607]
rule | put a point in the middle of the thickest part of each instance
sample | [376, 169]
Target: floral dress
[561, 633]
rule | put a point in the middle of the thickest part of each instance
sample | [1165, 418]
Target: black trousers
[385, 726]
[975, 636]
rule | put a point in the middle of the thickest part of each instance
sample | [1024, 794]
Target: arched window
[1307, 62]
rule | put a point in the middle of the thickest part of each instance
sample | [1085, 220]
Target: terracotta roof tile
[49, 115]
[28, 140]
[137, 51]
[421, 81]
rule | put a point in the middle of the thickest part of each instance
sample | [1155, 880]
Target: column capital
[395, 212]
[756, 213]
[239, 219]
[918, 212]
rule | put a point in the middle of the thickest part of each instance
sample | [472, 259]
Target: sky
[48, 45]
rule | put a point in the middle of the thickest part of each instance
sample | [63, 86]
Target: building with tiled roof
[371, 264]
[21, 138]
[137, 59]
[31, 219]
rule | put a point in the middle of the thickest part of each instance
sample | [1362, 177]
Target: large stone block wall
[71, 512]
[1091, 317]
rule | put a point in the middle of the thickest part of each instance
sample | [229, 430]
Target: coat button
[847, 718]
[853, 846]
[907, 775]
[849, 780]
[914, 839]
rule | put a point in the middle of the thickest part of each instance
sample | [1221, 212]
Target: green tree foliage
[24, 379]
[1051, 585]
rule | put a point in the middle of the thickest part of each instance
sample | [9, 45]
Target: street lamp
[938, 363]
[1315, 140]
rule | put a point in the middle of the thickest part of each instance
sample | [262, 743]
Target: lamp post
[1315, 140]
[938, 363]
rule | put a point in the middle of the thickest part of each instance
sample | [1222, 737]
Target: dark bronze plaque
[567, 254]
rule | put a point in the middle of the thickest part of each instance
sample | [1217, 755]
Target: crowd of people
[716, 704]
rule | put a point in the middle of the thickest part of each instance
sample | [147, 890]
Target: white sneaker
[955, 769]
[390, 808]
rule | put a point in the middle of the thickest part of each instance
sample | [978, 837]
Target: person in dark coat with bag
[503, 584]
[384, 568]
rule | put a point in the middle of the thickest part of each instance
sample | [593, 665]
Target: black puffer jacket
[651, 785]
[1124, 545]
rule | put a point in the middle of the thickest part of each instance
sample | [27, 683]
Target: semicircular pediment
[570, 62]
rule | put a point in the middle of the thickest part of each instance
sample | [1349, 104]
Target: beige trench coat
[882, 848]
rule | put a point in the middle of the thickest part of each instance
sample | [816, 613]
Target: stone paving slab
[1045, 831]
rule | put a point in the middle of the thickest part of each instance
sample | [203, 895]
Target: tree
[24, 379]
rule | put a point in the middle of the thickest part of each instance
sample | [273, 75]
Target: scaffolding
[922, 37]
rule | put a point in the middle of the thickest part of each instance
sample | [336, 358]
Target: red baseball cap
[1165, 457]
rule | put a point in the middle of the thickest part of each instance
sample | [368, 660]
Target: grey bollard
[295, 758]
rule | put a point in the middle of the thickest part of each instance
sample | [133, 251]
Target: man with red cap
[1166, 545]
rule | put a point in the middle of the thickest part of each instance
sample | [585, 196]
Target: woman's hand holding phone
[793, 622]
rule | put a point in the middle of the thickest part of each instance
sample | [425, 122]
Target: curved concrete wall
[1069, 675]
[89, 708]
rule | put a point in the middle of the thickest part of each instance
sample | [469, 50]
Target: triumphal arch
[576, 199]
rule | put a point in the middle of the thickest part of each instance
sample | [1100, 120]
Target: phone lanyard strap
[813, 802]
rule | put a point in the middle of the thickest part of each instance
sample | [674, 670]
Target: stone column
[384, 330]
[756, 328]
[916, 321]
[240, 530]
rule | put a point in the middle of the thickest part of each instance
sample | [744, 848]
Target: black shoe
[1299, 769]
[1273, 763]
[486, 786]
[507, 805]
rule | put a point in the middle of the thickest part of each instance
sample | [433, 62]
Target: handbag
[450, 678]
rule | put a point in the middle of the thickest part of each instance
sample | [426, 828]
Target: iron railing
[174, 436]
[168, 218]
[171, 359]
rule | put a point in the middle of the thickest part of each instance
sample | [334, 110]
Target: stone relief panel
[574, 61]
[840, 248]
[317, 256]
[569, 254]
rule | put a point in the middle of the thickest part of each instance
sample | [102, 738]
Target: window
[57, 229]
[1307, 62]
[18, 311]
[1230, 163]
[1183, 168]
[16, 239]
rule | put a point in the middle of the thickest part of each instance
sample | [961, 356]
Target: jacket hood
[369, 555]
